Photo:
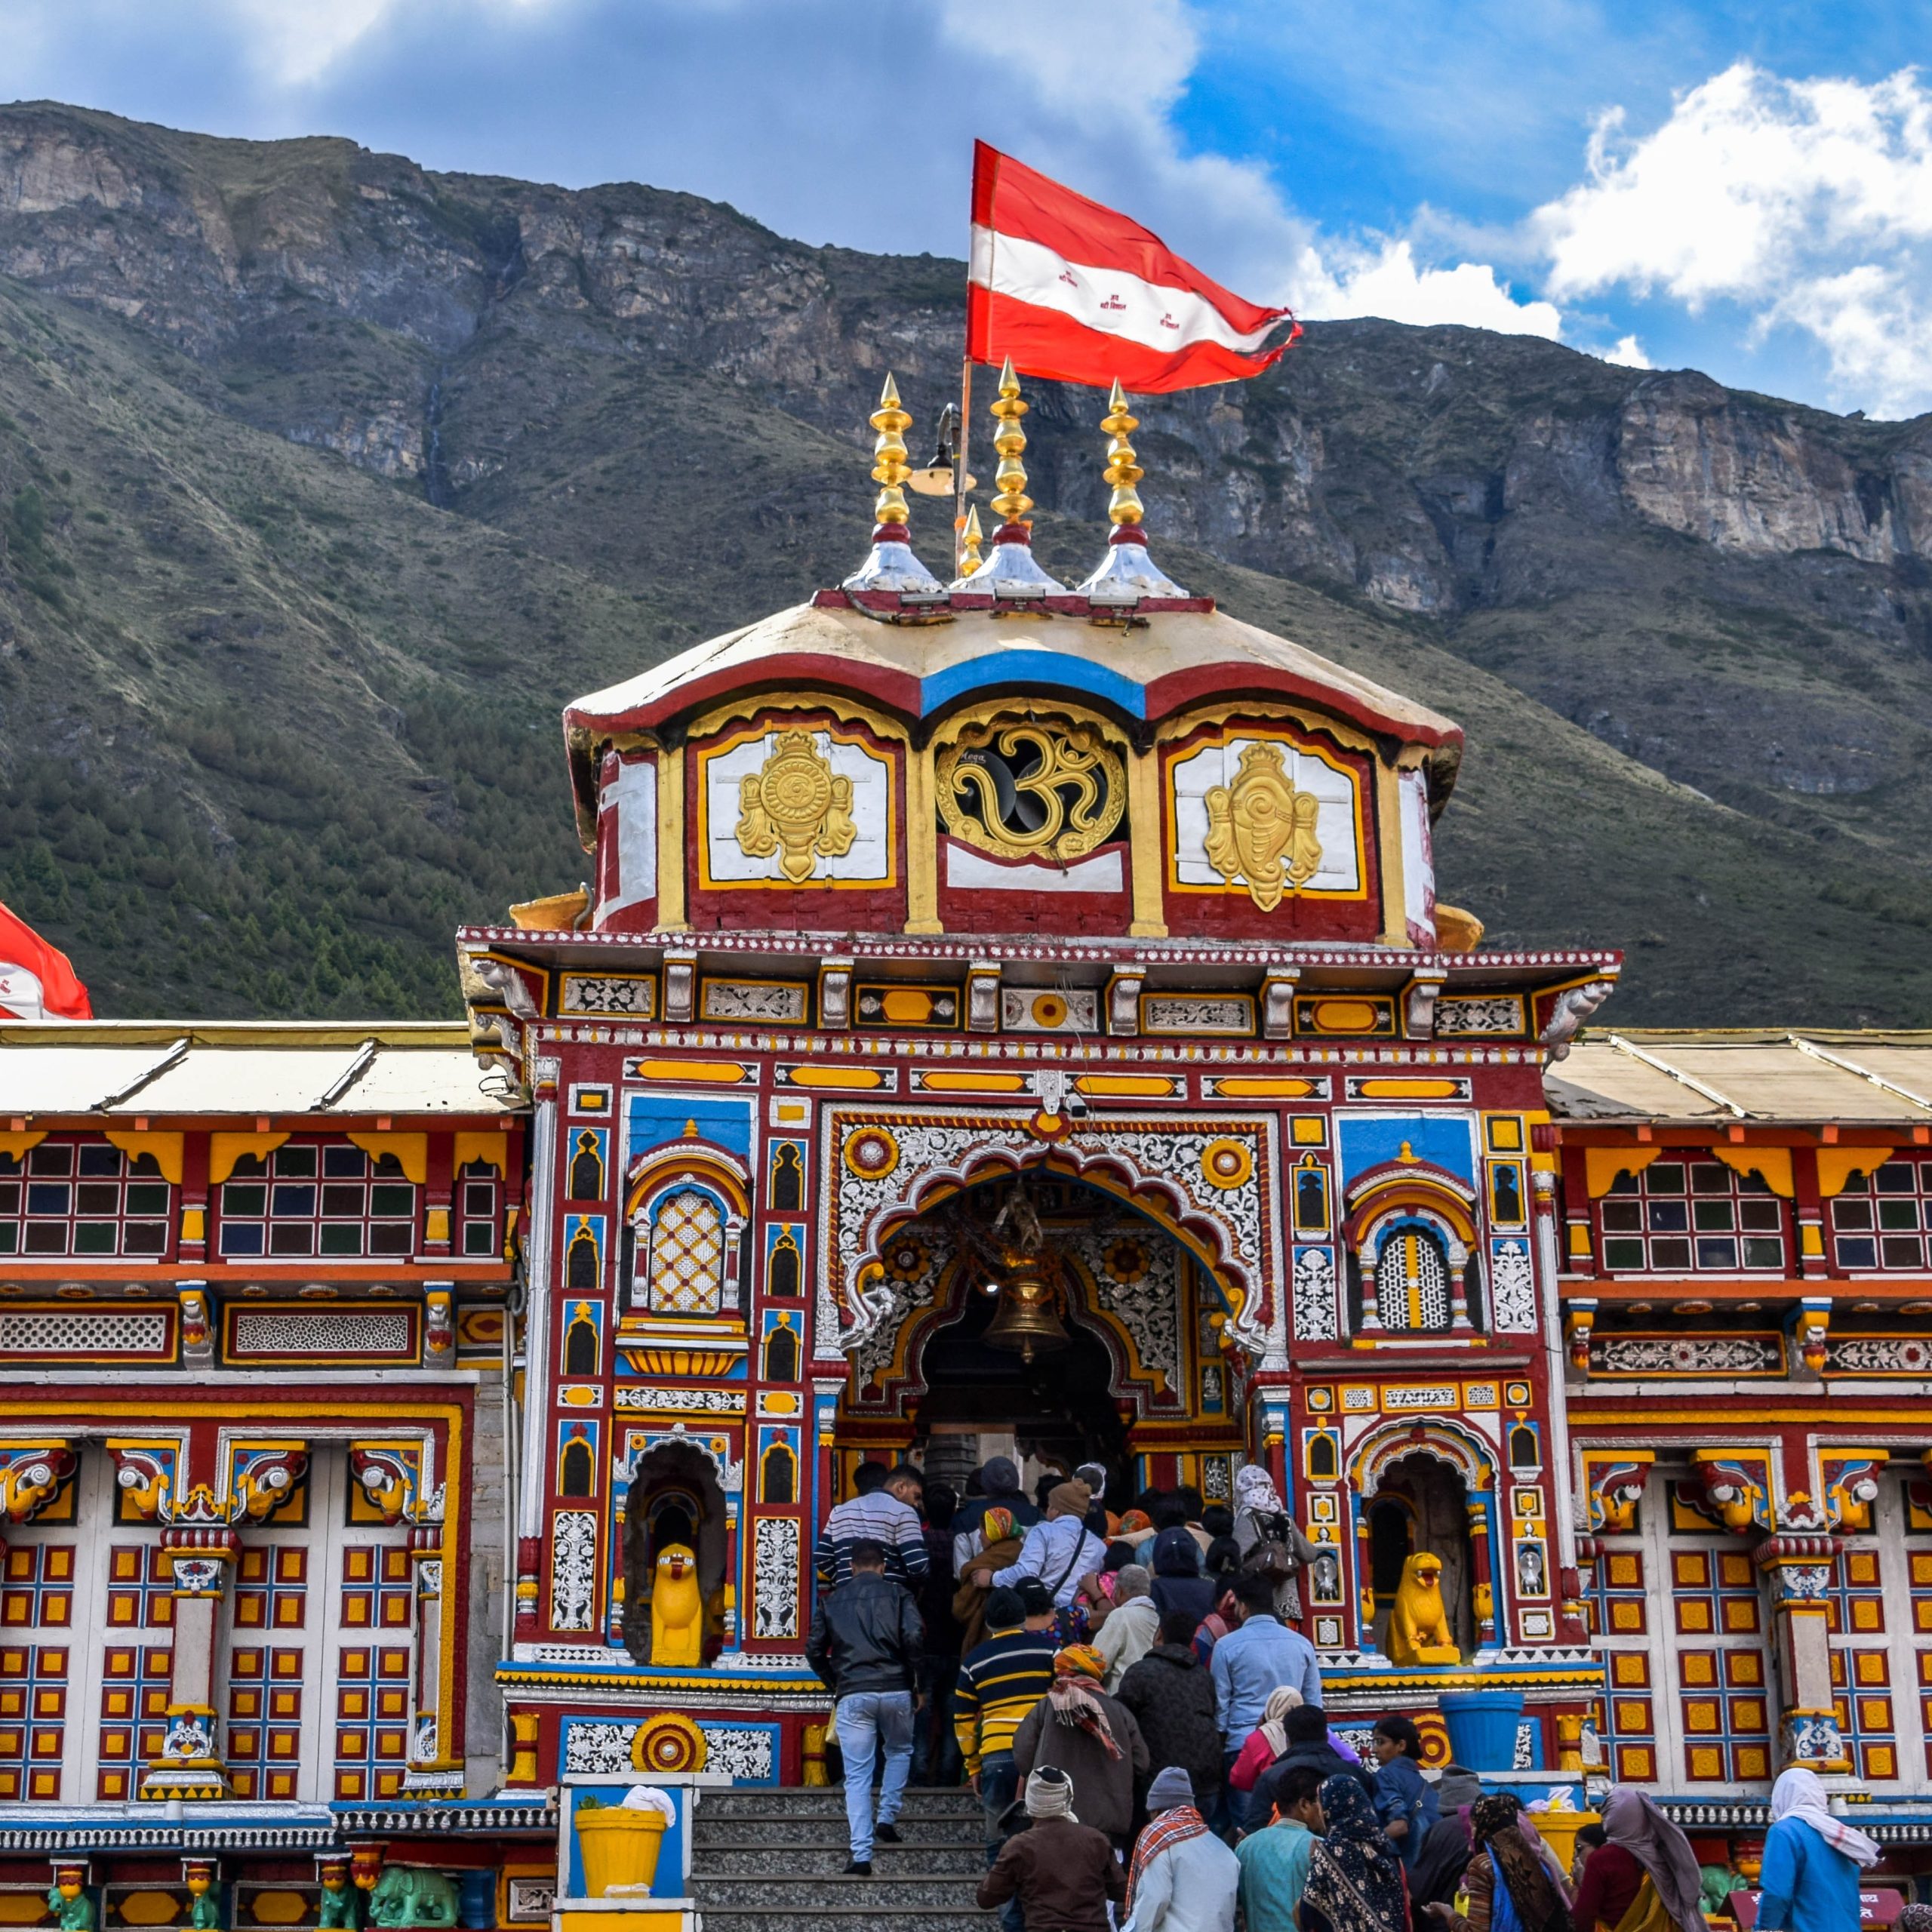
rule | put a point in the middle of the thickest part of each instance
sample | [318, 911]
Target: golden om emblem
[1025, 790]
[1262, 829]
[796, 806]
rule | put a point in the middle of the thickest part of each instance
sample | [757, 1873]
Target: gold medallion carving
[796, 806]
[1261, 829]
[1034, 789]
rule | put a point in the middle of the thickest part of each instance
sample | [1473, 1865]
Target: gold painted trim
[1143, 817]
[921, 844]
[1388, 848]
[672, 917]
[166, 1149]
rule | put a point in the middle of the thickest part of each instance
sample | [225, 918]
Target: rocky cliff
[659, 404]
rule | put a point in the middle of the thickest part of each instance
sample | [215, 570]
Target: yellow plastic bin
[1558, 1830]
[620, 1846]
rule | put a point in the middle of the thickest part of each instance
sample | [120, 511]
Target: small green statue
[409, 1895]
[1715, 1885]
[341, 1906]
[72, 1910]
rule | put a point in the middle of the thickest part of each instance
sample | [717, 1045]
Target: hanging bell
[1026, 1322]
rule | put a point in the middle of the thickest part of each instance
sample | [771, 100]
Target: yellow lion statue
[676, 1608]
[1419, 1624]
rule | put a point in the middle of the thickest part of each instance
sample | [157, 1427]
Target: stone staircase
[773, 1860]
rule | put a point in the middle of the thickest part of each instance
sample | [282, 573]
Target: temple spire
[972, 539]
[1127, 573]
[891, 564]
[1010, 570]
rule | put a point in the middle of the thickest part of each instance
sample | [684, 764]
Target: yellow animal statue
[1418, 1624]
[676, 1608]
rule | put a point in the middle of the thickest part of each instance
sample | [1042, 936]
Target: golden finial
[1013, 502]
[1122, 471]
[970, 542]
[889, 466]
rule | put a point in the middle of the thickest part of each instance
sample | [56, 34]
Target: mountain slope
[324, 480]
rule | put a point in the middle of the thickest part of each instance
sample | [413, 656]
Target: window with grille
[478, 1221]
[266, 1667]
[686, 1254]
[311, 1199]
[1880, 1220]
[65, 1197]
[1677, 1217]
[1411, 1281]
[35, 1677]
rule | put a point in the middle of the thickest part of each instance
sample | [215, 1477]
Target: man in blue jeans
[864, 1644]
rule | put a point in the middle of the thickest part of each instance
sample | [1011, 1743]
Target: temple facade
[1007, 1019]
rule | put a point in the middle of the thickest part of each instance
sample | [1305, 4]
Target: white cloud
[1808, 203]
[295, 43]
[1629, 354]
[1389, 283]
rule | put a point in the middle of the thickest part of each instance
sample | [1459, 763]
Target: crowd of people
[1142, 1723]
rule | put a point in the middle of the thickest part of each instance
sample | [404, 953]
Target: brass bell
[1026, 1322]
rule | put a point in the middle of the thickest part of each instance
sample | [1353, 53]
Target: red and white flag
[1075, 292]
[37, 980]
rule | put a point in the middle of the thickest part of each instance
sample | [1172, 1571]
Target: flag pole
[959, 470]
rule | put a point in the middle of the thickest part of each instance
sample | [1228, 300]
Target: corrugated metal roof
[1884, 1079]
[139, 1067]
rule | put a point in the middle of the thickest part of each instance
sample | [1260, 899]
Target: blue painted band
[1002, 670]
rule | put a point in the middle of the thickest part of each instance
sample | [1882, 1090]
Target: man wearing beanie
[1000, 1681]
[1062, 1874]
[1182, 1878]
[1060, 1551]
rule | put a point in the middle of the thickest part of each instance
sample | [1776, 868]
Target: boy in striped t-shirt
[1000, 1681]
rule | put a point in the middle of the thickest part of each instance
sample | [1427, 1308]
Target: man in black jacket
[1307, 1728]
[864, 1644]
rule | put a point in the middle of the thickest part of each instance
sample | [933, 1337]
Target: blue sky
[1742, 189]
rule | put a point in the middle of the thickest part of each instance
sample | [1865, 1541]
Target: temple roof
[129, 1067]
[955, 650]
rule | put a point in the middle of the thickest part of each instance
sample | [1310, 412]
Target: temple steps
[767, 1860]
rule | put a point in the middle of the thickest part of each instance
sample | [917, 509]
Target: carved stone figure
[1419, 1623]
[409, 1895]
[341, 1903]
[676, 1608]
[1262, 829]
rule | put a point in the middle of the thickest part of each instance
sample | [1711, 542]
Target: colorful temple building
[1007, 1019]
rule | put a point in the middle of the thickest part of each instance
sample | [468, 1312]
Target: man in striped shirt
[1000, 1681]
[872, 1514]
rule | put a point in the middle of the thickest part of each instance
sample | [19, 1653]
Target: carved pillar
[1482, 1575]
[1371, 1308]
[431, 1770]
[200, 1557]
[1799, 1568]
[1570, 1625]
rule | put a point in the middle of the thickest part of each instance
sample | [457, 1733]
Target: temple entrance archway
[1044, 1317]
[1421, 1503]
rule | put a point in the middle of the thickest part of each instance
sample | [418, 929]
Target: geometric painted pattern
[686, 1255]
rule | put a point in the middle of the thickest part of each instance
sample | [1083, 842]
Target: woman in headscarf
[998, 1540]
[1182, 1878]
[1510, 1888]
[1812, 1860]
[1643, 1877]
[1090, 1737]
[1269, 1739]
[1355, 1879]
[1268, 1538]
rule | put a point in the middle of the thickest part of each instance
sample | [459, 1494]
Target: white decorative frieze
[1686, 1354]
[776, 1003]
[1513, 1288]
[1461, 1016]
[741, 1751]
[593, 995]
[573, 1570]
[84, 1333]
[599, 1750]
[775, 1577]
[669, 1402]
[327, 1332]
[1315, 1315]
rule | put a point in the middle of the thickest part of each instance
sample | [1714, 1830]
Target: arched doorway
[1420, 1504]
[1039, 1316]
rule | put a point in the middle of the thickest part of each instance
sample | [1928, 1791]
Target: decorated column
[201, 1558]
[1799, 1568]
